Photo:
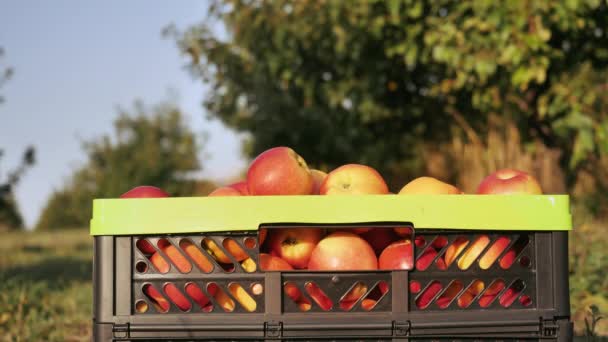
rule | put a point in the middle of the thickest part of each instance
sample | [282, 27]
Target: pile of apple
[281, 171]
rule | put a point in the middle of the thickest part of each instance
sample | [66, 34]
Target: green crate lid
[215, 214]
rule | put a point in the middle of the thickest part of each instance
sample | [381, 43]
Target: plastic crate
[535, 227]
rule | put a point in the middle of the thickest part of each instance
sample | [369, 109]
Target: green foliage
[145, 149]
[9, 213]
[372, 81]
[45, 286]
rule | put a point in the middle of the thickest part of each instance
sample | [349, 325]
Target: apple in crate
[294, 245]
[272, 263]
[318, 178]
[353, 179]
[509, 181]
[343, 251]
[279, 171]
[428, 186]
[240, 187]
[145, 191]
[397, 256]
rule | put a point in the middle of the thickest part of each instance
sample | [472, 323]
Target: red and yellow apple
[343, 251]
[379, 238]
[198, 296]
[279, 171]
[426, 258]
[177, 297]
[145, 191]
[318, 177]
[272, 263]
[397, 256]
[428, 186]
[295, 245]
[182, 264]
[493, 252]
[353, 179]
[230, 245]
[225, 191]
[241, 187]
[509, 181]
[159, 301]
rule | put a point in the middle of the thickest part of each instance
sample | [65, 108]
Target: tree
[5, 74]
[10, 218]
[9, 213]
[156, 149]
[376, 81]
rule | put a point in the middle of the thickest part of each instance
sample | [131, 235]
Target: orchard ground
[46, 289]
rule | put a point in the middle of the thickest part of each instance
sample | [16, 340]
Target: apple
[454, 250]
[295, 245]
[379, 238]
[509, 181]
[397, 256]
[403, 231]
[296, 295]
[426, 258]
[177, 297]
[472, 253]
[159, 301]
[262, 233]
[428, 186]
[470, 293]
[225, 191]
[318, 296]
[353, 179]
[198, 296]
[343, 251]
[197, 256]
[279, 171]
[272, 263]
[240, 187]
[248, 265]
[425, 298]
[493, 252]
[241, 295]
[159, 263]
[224, 301]
[230, 245]
[352, 296]
[368, 304]
[318, 177]
[145, 191]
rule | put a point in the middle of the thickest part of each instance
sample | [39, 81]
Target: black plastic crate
[527, 300]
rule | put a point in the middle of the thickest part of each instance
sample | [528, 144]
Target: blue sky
[75, 62]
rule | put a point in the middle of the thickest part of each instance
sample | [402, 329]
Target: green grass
[45, 286]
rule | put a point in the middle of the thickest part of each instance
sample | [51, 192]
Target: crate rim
[182, 215]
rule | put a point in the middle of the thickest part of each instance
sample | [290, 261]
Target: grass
[45, 286]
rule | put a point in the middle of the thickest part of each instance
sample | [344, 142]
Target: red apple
[157, 299]
[198, 296]
[425, 298]
[397, 256]
[272, 263]
[425, 259]
[318, 296]
[343, 251]
[318, 177]
[509, 181]
[176, 296]
[262, 233]
[295, 245]
[428, 186]
[379, 238]
[240, 187]
[279, 171]
[353, 179]
[145, 191]
[225, 191]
